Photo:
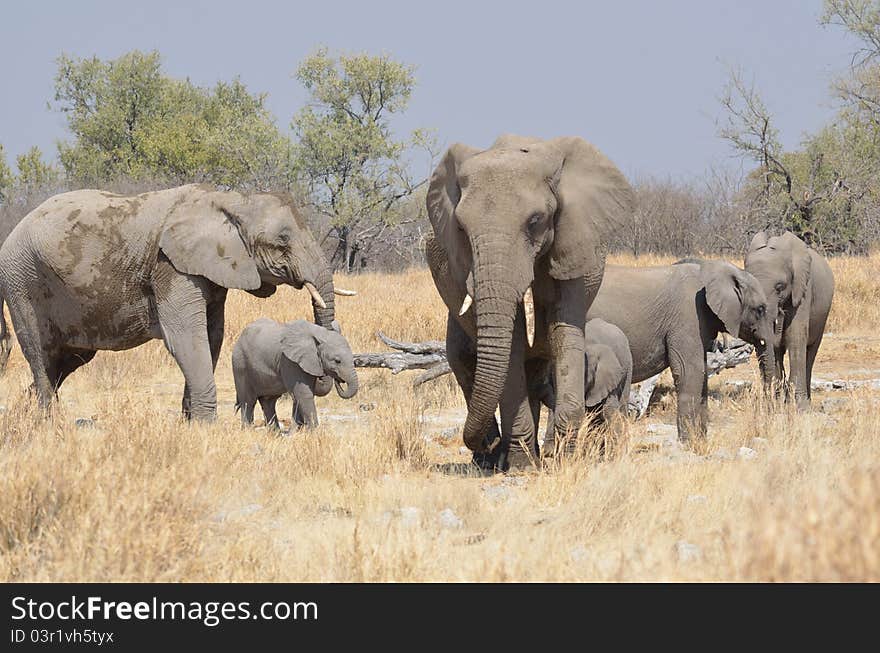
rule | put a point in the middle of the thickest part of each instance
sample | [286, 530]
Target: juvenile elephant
[799, 286]
[90, 270]
[671, 314]
[608, 374]
[270, 359]
[522, 215]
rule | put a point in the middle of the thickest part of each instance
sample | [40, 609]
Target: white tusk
[466, 304]
[529, 307]
[344, 293]
[316, 296]
[762, 342]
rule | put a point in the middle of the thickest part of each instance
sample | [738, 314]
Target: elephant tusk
[342, 292]
[316, 296]
[466, 304]
[762, 342]
[529, 308]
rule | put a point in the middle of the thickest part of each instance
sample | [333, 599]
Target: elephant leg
[31, 340]
[268, 406]
[247, 413]
[688, 366]
[812, 350]
[566, 334]
[181, 308]
[215, 318]
[519, 444]
[798, 358]
[781, 383]
[463, 362]
[305, 413]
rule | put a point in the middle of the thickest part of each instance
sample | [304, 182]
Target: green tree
[358, 174]
[34, 174]
[6, 178]
[129, 119]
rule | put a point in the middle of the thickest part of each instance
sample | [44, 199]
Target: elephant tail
[5, 338]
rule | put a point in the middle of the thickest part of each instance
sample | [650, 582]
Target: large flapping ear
[444, 192]
[801, 264]
[595, 199]
[723, 293]
[759, 240]
[299, 346]
[204, 237]
[606, 371]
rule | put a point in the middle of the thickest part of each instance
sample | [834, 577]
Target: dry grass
[144, 497]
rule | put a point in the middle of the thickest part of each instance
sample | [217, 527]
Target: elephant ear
[595, 200]
[723, 293]
[205, 239]
[299, 346]
[444, 192]
[801, 263]
[606, 371]
[759, 240]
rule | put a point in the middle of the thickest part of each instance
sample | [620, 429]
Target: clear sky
[640, 79]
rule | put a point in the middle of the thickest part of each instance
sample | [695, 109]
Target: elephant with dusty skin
[799, 286]
[270, 359]
[90, 270]
[522, 218]
[671, 315]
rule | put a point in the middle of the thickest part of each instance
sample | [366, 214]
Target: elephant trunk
[495, 303]
[324, 285]
[767, 362]
[351, 386]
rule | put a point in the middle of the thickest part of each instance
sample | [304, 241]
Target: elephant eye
[534, 220]
[761, 310]
[780, 286]
[283, 239]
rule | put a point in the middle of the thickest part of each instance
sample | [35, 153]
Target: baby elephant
[607, 374]
[300, 358]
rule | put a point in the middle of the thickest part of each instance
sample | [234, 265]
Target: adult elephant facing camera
[522, 214]
[89, 270]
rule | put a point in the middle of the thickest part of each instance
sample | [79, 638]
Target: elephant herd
[521, 230]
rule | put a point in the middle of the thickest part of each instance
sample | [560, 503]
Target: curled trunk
[351, 386]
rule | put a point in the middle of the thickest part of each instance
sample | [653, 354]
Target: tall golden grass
[373, 493]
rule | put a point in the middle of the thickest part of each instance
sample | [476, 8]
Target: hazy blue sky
[638, 79]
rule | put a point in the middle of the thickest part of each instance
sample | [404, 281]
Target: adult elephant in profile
[90, 270]
[523, 214]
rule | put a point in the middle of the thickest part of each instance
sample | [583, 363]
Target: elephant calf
[608, 369]
[303, 359]
[672, 313]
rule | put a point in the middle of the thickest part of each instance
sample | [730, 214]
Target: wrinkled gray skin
[523, 212]
[671, 315]
[799, 286]
[90, 270]
[608, 373]
[271, 359]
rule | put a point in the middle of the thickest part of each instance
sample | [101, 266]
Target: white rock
[448, 519]
[687, 552]
[746, 453]
[410, 516]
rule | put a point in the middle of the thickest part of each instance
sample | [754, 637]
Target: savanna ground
[142, 496]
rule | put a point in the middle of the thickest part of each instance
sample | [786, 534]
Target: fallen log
[409, 355]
